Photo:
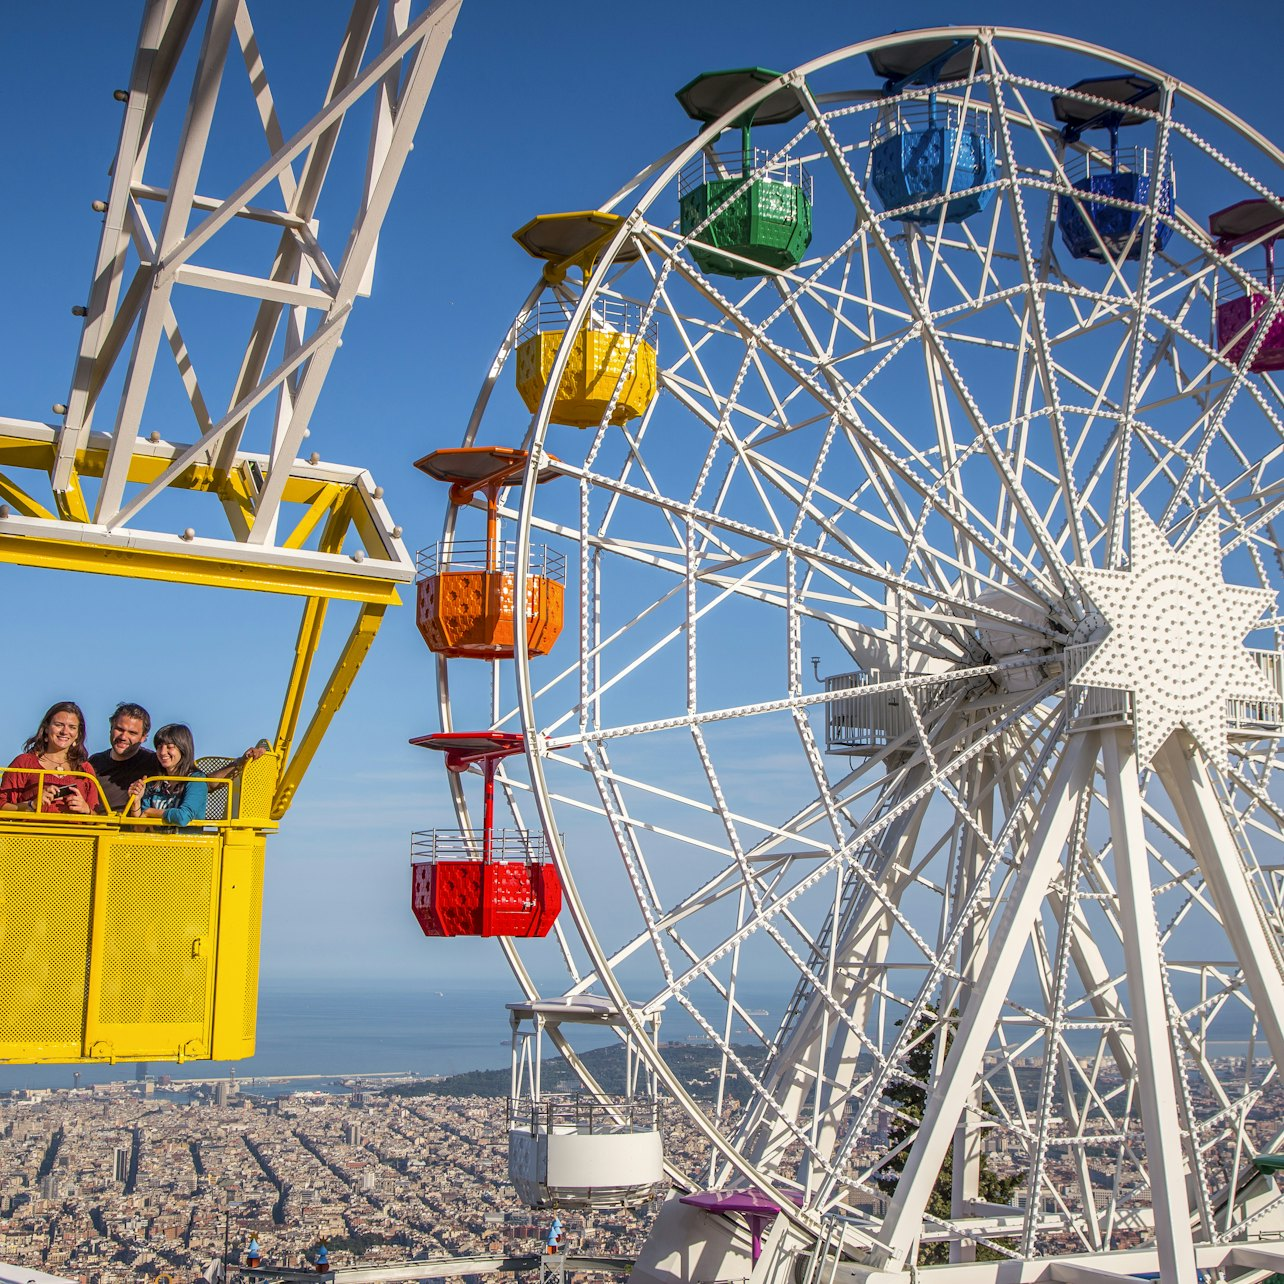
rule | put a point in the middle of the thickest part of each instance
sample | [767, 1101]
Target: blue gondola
[1108, 222]
[924, 150]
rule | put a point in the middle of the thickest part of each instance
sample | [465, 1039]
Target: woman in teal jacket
[176, 802]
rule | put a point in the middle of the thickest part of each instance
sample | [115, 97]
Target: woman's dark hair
[39, 743]
[180, 736]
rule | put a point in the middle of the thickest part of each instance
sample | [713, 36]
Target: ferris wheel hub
[1176, 637]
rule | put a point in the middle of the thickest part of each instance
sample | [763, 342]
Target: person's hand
[136, 789]
[253, 753]
[50, 794]
[76, 802]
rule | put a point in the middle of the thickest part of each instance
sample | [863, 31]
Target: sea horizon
[326, 1029]
[348, 1027]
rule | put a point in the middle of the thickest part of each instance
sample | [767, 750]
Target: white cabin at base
[581, 1149]
[568, 1168]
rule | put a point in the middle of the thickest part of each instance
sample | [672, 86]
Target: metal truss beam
[374, 563]
[146, 282]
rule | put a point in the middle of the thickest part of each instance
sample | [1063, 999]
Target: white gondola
[581, 1149]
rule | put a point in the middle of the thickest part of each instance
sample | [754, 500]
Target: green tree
[907, 1101]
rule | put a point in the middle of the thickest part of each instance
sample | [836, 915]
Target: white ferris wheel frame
[1202, 814]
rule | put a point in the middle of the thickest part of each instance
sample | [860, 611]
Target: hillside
[696, 1066]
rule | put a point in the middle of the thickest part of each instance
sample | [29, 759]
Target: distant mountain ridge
[696, 1066]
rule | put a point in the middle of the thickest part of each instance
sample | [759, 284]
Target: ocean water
[340, 1028]
[361, 1027]
[354, 1027]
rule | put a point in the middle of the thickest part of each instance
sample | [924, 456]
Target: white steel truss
[176, 240]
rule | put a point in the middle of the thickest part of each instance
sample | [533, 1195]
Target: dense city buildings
[111, 1184]
[129, 1181]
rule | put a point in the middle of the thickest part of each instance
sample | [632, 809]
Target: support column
[1040, 858]
[1216, 851]
[966, 1172]
[1156, 1078]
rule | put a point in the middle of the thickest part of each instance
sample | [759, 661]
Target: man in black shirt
[124, 763]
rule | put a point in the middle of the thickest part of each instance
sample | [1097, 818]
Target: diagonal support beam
[365, 237]
[1040, 860]
[178, 209]
[1156, 1077]
[165, 29]
[1216, 850]
[330, 701]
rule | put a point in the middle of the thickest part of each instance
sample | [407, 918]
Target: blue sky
[537, 108]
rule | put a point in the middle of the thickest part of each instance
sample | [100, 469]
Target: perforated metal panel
[45, 895]
[111, 941]
[255, 787]
[158, 931]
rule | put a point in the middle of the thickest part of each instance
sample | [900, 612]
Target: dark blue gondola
[1106, 223]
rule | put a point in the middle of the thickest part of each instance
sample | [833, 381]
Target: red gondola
[482, 882]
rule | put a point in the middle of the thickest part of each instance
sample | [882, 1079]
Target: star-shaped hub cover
[1176, 638]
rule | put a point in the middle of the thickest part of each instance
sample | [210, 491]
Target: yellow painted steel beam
[359, 515]
[38, 456]
[236, 490]
[71, 502]
[13, 494]
[237, 501]
[305, 648]
[310, 626]
[212, 571]
[328, 502]
[331, 699]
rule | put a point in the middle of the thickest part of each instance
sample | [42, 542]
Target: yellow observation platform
[122, 939]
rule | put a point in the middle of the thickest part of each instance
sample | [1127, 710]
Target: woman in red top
[57, 748]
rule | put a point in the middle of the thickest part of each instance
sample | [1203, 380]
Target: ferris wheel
[912, 741]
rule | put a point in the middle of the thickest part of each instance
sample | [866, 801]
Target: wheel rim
[903, 453]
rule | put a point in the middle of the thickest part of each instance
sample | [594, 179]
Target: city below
[138, 1180]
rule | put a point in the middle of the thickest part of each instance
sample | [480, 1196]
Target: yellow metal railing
[124, 939]
[37, 802]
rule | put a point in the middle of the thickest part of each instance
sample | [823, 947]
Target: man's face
[126, 735]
